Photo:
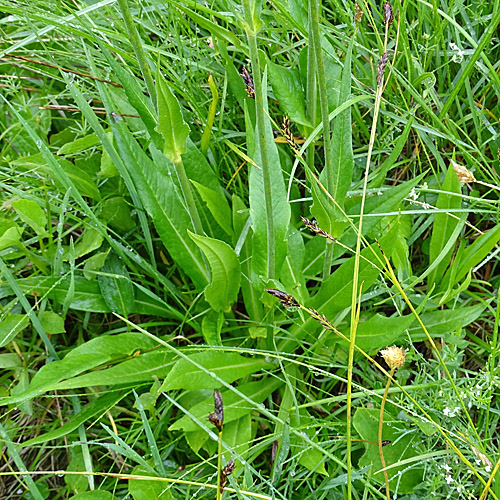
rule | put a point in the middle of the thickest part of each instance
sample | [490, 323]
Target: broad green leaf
[93, 410]
[223, 366]
[238, 436]
[145, 367]
[96, 352]
[288, 91]
[52, 322]
[205, 21]
[390, 161]
[234, 406]
[116, 212]
[10, 361]
[218, 206]
[70, 148]
[309, 456]
[171, 124]
[291, 274]
[444, 225]
[82, 181]
[380, 331]
[32, 214]
[335, 293]
[10, 233]
[389, 202]
[115, 285]
[243, 247]
[93, 265]
[211, 326]
[90, 240]
[135, 94]
[76, 483]
[222, 291]
[11, 325]
[338, 180]
[403, 478]
[278, 216]
[161, 198]
[475, 253]
[445, 321]
[87, 295]
[142, 489]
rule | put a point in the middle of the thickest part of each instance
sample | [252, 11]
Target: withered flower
[394, 356]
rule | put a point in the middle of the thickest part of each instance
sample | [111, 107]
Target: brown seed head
[358, 13]
[463, 174]
[394, 356]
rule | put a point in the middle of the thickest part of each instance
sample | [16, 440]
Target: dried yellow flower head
[463, 174]
[394, 356]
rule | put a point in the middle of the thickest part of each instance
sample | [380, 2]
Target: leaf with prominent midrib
[116, 287]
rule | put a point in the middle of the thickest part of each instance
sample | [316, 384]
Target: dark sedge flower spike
[381, 68]
[217, 417]
[388, 14]
[250, 88]
[285, 130]
[314, 228]
[226, 471]
[285, 298]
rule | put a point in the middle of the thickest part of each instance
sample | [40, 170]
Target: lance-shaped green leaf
[338, 180]
[444, 225]
[171, 124]
[116, 287]
[222, 291]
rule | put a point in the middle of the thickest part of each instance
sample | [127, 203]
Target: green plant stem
[139, 52]
[251, 32]
[219, 466]
[323, 101]
[311, 93]
[352, 339]
[380, 428]
[187, 194]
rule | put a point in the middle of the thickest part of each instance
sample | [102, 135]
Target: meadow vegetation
[249, 250]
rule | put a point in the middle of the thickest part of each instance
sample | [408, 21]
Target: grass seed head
[464, 175]
[358, 13]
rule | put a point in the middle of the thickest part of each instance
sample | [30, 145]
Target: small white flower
[447, 468]
[459, 53]
[488, 468]
[448, 479]
[413, 194]
[426, 206]
[460, 488]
